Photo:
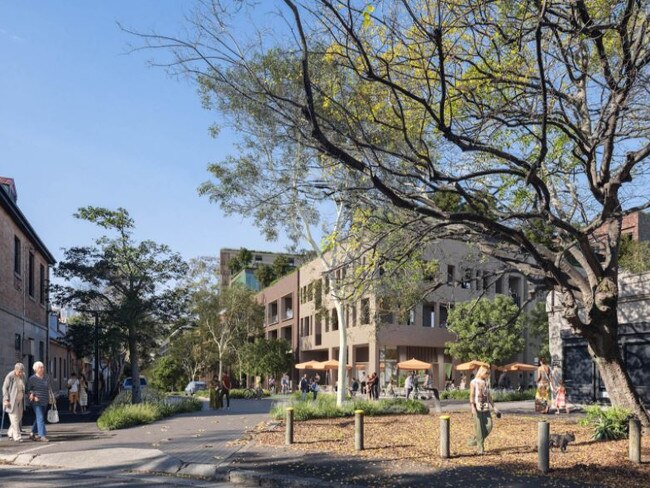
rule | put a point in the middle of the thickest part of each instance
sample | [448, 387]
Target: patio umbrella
[332, 364]
[519, 367]
[310, 365]
[472, 365]
[413, 365]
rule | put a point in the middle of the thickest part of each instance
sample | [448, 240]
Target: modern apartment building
[377, 342]
[24, 279]
[246, 276]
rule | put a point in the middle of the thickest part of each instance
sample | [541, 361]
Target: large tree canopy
[129, 284]
[533, 116]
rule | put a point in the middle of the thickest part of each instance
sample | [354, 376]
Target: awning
[310, 365]
[519, 367]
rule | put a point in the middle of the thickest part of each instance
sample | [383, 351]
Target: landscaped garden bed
[413, 439]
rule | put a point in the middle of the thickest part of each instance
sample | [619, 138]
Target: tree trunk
[343, 354]
[604, 349]
[134, 356]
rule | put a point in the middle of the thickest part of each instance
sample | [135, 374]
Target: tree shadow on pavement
[391, 472]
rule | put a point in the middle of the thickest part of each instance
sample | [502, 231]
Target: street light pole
[96, 383]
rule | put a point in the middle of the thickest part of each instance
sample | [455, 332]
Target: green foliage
[265, 275]
[167, 374]
[607, 423]
[242, 260]
[536, 321]
[487, 330]
[267, 357]
[246, 394]
[325, 407]
[155, 406]
[129, 283]
[634, 255]
[497, 395]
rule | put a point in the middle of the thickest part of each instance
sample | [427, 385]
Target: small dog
[561, 440]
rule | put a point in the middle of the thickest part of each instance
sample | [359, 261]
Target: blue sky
[84, 123]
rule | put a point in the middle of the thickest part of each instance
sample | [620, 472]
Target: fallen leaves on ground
[413, 440]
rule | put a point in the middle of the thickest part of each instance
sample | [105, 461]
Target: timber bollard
[288, 439]
[635, 441]
[358, 430]
[543, 431]
[444, 437]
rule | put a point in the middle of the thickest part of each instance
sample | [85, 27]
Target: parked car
[127, 384]
[194, 386]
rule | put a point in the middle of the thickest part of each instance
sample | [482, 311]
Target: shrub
[454, 395]
[325, 407]
[155, 406]
[123, 416]
[246, 394]
[202, 394]
[609, 423]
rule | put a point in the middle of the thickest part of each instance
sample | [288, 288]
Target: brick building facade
[24, 280]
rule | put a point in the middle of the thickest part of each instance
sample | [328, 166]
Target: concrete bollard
[358, 430]
[444, 437]
[543, 431]
[288, 433]
[635, 441]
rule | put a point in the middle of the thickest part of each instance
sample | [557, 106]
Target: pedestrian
[272, 385]
[40, 395]
[284, 382]
[73, 392]
[370, 386]
[314, 388]
[355, 387]
[408, 385]
[304, 387]
[480, 401]
[364, 382]
[13, 400]
[375, 386]
[560, 398]
[463, 382]
[225, 390]
[543, 392]
[83, 394]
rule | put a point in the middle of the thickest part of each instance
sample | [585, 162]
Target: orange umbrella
[332, 364]
[519, 367]
[472, 365]
[414, 365]
[310, 365]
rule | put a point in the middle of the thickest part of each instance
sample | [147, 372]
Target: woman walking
[83, 393]
[543, 393]
[480, 401]
[13, 400]
[39, 393]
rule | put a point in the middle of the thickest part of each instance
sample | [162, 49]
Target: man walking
[225, 390]
[13, 400]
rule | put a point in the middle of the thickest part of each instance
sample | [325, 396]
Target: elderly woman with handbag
[13, 400]
[40, 394]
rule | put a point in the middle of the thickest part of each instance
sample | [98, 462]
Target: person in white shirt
[408, 385]
[480, 401]
[73, 392]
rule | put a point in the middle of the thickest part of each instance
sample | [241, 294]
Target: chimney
[9, 186]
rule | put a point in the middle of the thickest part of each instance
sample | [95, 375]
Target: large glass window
[30, 275]
[17, 256]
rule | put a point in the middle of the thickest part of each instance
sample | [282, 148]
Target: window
[287, 307]
[41, 351]
[18, 342]
[479, 281]
[486, 281]
[411, 318]
[335, 320]
[273, 312]
[54, 367]
[30, 275]
[41, 283]
[429, 315]
[318, 331]
[365, 311]
[467, 279]
[498, 285]
[451, 272]
[353, 314]
[310, 291]
[444, 313]
[17, 256]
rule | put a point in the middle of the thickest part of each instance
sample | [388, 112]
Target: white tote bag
[53, 413]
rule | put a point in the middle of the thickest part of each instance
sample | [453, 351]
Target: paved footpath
[214, 445]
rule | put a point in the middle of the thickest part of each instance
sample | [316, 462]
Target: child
[560, 398]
